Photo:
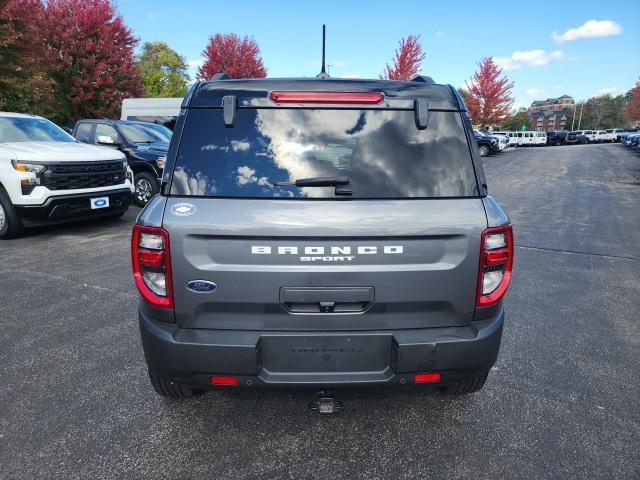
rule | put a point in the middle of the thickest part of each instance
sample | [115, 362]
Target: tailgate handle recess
[326, 299]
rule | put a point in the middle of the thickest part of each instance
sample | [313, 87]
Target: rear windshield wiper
[315, 182]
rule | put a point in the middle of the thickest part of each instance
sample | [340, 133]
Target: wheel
[146, 186]
[10, 223]
[469, 385]
[166, 388]
[484, 150]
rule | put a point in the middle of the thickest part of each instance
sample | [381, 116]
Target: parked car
[632, 140]
[503, 141]
[486, 145]
[527, 138]
[47, 177]
[590, 135]
[262, 265]
[557, 137]
[144, 144]
[576, 137]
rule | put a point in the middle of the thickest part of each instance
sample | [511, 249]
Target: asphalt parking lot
[562, 402]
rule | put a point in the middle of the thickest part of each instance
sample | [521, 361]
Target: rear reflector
[426, 377]
[224, 381]
[368, 98]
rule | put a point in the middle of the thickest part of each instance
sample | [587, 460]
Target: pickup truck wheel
[146, 186]
[167, 388]
[469, 385]
[484, 150]
[10, 224]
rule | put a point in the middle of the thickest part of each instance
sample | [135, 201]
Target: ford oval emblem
[201, 286]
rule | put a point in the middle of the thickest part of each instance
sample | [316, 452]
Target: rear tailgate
[325, 266]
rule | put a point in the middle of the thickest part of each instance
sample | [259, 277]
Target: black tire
[463, 387]
[167, 388]
[146, 186]
[483, 150]
[10, 223]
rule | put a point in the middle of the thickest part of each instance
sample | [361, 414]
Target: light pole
[580, 119]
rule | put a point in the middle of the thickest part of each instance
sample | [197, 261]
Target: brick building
[552, 113]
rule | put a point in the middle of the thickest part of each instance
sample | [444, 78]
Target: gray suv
[321, 233]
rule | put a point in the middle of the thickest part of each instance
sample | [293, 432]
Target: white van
[527, 138]
[513, 138]
[163, 111]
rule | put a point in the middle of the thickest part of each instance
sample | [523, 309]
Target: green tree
[164, 72]
[601, 112]
[515, 121]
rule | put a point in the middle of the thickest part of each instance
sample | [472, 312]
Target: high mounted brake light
[151, 263]
[367, 98]
[496, 262]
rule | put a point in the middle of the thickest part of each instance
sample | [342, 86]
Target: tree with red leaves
[24, 84]
[488, 95]
[632, 110]
[90, 53]
[407, 60]
[228, 53]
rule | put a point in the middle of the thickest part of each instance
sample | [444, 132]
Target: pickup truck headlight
[31, 179]
[161, 161]
[27, 167]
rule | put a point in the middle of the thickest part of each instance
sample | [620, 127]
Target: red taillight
[151, 262]
[426, 377]
[222, 380]
[496, 262]
[369, 98]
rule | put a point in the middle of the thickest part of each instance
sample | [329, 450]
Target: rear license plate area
[319, 354]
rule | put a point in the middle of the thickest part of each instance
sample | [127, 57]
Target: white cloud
[529, 58]
[439, 34]
[613, 91]
[195, 63]
[534, 92]
[193, 66]
[590, 29]
[351, 75]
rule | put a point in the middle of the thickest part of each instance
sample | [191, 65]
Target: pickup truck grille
[83, 175]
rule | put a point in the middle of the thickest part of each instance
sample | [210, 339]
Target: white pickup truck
[46, 176]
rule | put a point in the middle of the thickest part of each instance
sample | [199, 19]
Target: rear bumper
[64, 208]
[260, 358]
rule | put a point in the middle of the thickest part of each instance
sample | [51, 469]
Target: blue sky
[580, 48]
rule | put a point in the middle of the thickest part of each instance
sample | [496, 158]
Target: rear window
[382, 153]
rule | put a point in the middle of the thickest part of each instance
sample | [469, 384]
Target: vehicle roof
[20, 115]
[255, 92]
[116, 122]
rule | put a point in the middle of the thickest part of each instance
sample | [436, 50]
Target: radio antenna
[323, 73]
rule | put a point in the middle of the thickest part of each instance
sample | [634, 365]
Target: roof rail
[424, 79]
[220, 76]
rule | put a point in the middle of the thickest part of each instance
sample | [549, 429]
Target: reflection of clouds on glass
[298, 136]
[248, 175]
[193, 184]
[212, 147]
[240, 145]
[381, 151]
